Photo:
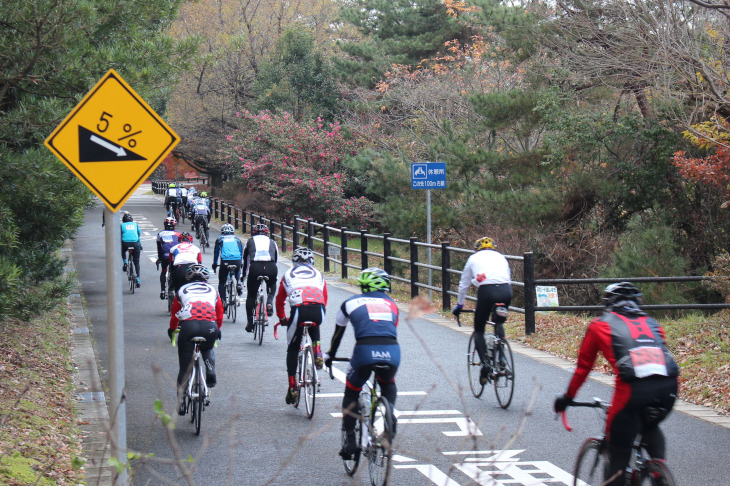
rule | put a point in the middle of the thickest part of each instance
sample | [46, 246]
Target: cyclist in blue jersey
[374, 318]
[131, 239]
[166, 239]
[230, 249]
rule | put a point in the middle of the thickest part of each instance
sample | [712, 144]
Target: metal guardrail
[403, 261]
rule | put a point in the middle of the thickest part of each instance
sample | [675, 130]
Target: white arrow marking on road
[114, 148]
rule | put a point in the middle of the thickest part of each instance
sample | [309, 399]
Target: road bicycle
[260, 316]
[374, 434]
[131, 270]
[593, 456]
[199, 227]
[197, 393]
[306, 375]
[500, 365]
[175, 211]
[231, 294]
[170, 289]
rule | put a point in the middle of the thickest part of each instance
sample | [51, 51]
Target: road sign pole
[118, 408]
[428, 239]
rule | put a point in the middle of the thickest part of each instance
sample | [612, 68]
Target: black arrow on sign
[95, 148]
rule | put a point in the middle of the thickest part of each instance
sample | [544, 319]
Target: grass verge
[39, 441]
[699, 343]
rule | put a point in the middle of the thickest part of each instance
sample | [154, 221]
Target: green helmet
[172, 184]
[203, 194]
[373, 279]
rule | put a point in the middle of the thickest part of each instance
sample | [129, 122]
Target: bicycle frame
[303, 346]
[197, 368]
[307, 378]
[374, 444]
[643, 465]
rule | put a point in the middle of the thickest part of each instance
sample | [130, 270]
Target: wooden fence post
[343, 243]
[414, 267]
[283, 237]
[528, 278]
[363, 250]
[295, 235]
[326, 243]
[387, 264]
[310, 234]
[445, 276]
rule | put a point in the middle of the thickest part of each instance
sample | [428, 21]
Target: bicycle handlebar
[467, 311]
[596, 403]
[333, 358]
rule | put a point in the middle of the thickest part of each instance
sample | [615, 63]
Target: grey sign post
[115, 324]
[333, 252]
[428, 175]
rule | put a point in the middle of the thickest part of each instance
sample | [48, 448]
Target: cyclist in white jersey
[259, 258]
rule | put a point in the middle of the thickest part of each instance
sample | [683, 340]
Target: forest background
[593, 133]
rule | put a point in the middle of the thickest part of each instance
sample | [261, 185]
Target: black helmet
[197, 273]
[260, 229]
[303, 256]
[622, 297]
[126, 217]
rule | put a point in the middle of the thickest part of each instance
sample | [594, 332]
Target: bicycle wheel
[474, 368]
[299, 375]
[381, 453]
[352, 463]
[310, 382]
[590, 464]
[131, 276]
[198, 399]
[228, 298]
[261, 324]
[256, 312]
[504, 379]
[656, 473]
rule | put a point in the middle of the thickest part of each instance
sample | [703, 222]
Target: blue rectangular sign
[428, 175]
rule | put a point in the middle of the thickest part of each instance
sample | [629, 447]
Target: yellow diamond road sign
[112, 140]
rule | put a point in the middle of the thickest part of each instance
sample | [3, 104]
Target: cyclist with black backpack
[646, 376]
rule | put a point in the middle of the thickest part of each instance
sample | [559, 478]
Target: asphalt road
[251, 437]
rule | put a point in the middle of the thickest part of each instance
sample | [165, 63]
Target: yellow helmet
[484, 242]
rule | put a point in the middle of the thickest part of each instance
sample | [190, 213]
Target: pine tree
[395, 32]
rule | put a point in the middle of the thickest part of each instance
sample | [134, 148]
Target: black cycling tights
[487, 296]
[660, 392]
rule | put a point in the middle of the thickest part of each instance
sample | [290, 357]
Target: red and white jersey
[185, 253]
[197, 301]
[301, 285]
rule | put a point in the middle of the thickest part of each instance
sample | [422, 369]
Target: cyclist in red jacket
[303, 286]
[198, 312]
[646, 376]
